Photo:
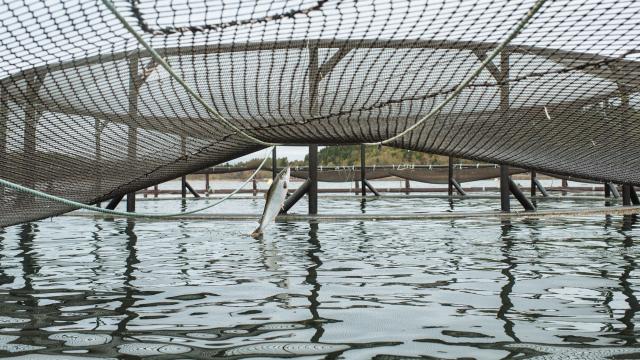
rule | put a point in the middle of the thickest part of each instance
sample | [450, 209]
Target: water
[75, 287]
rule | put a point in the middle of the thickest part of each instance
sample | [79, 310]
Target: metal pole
[274, 163]
[363, 171]
[505, 204]
[313, 178]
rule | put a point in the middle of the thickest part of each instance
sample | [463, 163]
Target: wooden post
[407, 186]
[132, 147]
[274, 163]
[31, 116]
[533, 183]
[255, 186]
[505, 204]
[363, 171]
[313, 178]
[626, 194]
[155, 191]
[4, 116]
[206, 184]
[450, 177]
[183, 151]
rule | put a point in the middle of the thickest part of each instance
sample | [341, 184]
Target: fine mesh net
[86, 114]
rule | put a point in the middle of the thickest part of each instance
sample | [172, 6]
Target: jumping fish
[275, 196]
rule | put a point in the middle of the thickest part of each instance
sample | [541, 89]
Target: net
[86, 114]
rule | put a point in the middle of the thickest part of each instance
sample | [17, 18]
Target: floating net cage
[87, 114]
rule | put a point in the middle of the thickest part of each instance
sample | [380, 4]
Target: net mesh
[85, 113]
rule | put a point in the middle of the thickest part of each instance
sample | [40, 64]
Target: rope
[525, 20]
[24, 189]
[177, 77]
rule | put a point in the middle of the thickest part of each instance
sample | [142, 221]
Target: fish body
[276, 195]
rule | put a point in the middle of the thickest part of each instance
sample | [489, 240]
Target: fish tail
[257, 233]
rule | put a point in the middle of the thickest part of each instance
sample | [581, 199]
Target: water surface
[75, 287]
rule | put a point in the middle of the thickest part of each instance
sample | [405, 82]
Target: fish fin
[257, 234]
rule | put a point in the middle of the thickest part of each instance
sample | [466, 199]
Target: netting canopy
[87, 114]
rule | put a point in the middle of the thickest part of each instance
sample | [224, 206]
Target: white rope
[525, 20]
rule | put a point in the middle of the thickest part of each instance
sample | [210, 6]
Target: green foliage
[350, 155]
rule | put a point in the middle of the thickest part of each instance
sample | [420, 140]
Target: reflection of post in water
[363, 206]
[4, 278]
[505, 292]
[129, 291]
[312, 279]
[29, 265]
[627, 288]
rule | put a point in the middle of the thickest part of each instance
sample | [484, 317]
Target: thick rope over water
[519, 27]
[179, 79]
[80, 205]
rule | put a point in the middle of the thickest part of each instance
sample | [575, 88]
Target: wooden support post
[614, 190]
[155, 191]
[533, 183]
[634, 195]
[114, 202]
[31, 116]
[274, 163]
[407, 186]
[607, 190]
[450, 177]
[505, 204]
[206, 184]
[519, 195]
[313, 178]
[458, 187]
[132, 147]
[254, 184]
[626, 194]
[373, 190]
[296, 196]
[191, 189]
[363, 171]
[538, 184]
[183, 182]
[314, 80]
[4, 117]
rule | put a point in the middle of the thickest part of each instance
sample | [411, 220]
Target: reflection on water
[484, 289]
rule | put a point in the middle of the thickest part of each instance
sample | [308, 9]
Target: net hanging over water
[87, 114]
